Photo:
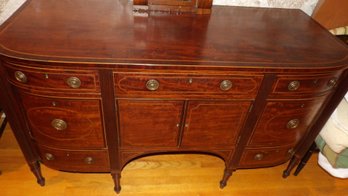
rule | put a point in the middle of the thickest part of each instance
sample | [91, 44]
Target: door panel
[149, 123]
[214, 123]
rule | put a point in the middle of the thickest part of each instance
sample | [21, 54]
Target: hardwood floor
[163, 175]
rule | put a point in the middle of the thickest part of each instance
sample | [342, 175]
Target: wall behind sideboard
[7, 7]
[305, 5]
[332, 13]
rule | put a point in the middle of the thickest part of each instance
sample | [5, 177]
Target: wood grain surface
[110, 32]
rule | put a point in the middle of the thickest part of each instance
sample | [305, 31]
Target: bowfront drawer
[181, 85]
[65, 123]
[76, 161]
[285, 122]
[262, 157]
[304, 85]
[53, 80]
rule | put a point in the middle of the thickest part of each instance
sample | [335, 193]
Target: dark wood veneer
[183, 85]
[252, 86]
[214, 124]
[83, 119]
[271, 128]
[146, 124]
[78, 160]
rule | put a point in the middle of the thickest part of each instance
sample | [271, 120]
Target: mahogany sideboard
[90, 85]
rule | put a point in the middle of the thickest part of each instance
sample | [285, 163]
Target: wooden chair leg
[305, 159]
[3, 126]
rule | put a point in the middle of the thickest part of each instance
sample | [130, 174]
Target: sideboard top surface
[109, 31]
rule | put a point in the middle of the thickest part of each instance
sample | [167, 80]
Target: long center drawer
[164, 85]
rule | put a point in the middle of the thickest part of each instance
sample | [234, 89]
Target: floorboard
[163, 175]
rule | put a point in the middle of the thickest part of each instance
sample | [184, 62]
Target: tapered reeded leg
[292, 164]
[305, 159]
[117, 177]
[227, 174]
[36, 169]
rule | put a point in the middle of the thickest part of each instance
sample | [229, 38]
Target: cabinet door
[214, 123]
[149, 123]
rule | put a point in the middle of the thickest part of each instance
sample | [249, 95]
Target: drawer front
[75, 161]
[284, 122]
[304, 85]
[64, 123]
[53, 80]
[169, 85]
[263, 157]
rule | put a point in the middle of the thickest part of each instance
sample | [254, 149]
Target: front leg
[293, 162]
[116, 176]
[36, 169]
[226, 176]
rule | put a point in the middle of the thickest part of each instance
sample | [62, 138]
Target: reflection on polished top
[109, 31]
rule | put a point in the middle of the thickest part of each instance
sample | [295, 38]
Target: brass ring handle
[152, 84]
[49, 156]
[74, 82]
[59, 124]
[226, 85]
[259, 156]
[88, 160]
[332, 82]
[21, 77]
[293, 85]
[293, 124]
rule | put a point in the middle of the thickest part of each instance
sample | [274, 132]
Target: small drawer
[304, 85]
[75, 161]
[66, 123]
[53, 80]
[180, 85]
[263, 157]
[285, 122]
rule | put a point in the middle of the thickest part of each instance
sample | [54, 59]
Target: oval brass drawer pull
[59, 124]
[152, 84]
[332, 82]
[49, 156]
[259, 156]
[293, 124]
[294, 85]
[21, 77]
[226, 85]
[89, 160]
[74, 82]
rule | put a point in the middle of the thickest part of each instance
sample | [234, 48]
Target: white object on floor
[340, 116]
[336, 172]
[335, 131]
